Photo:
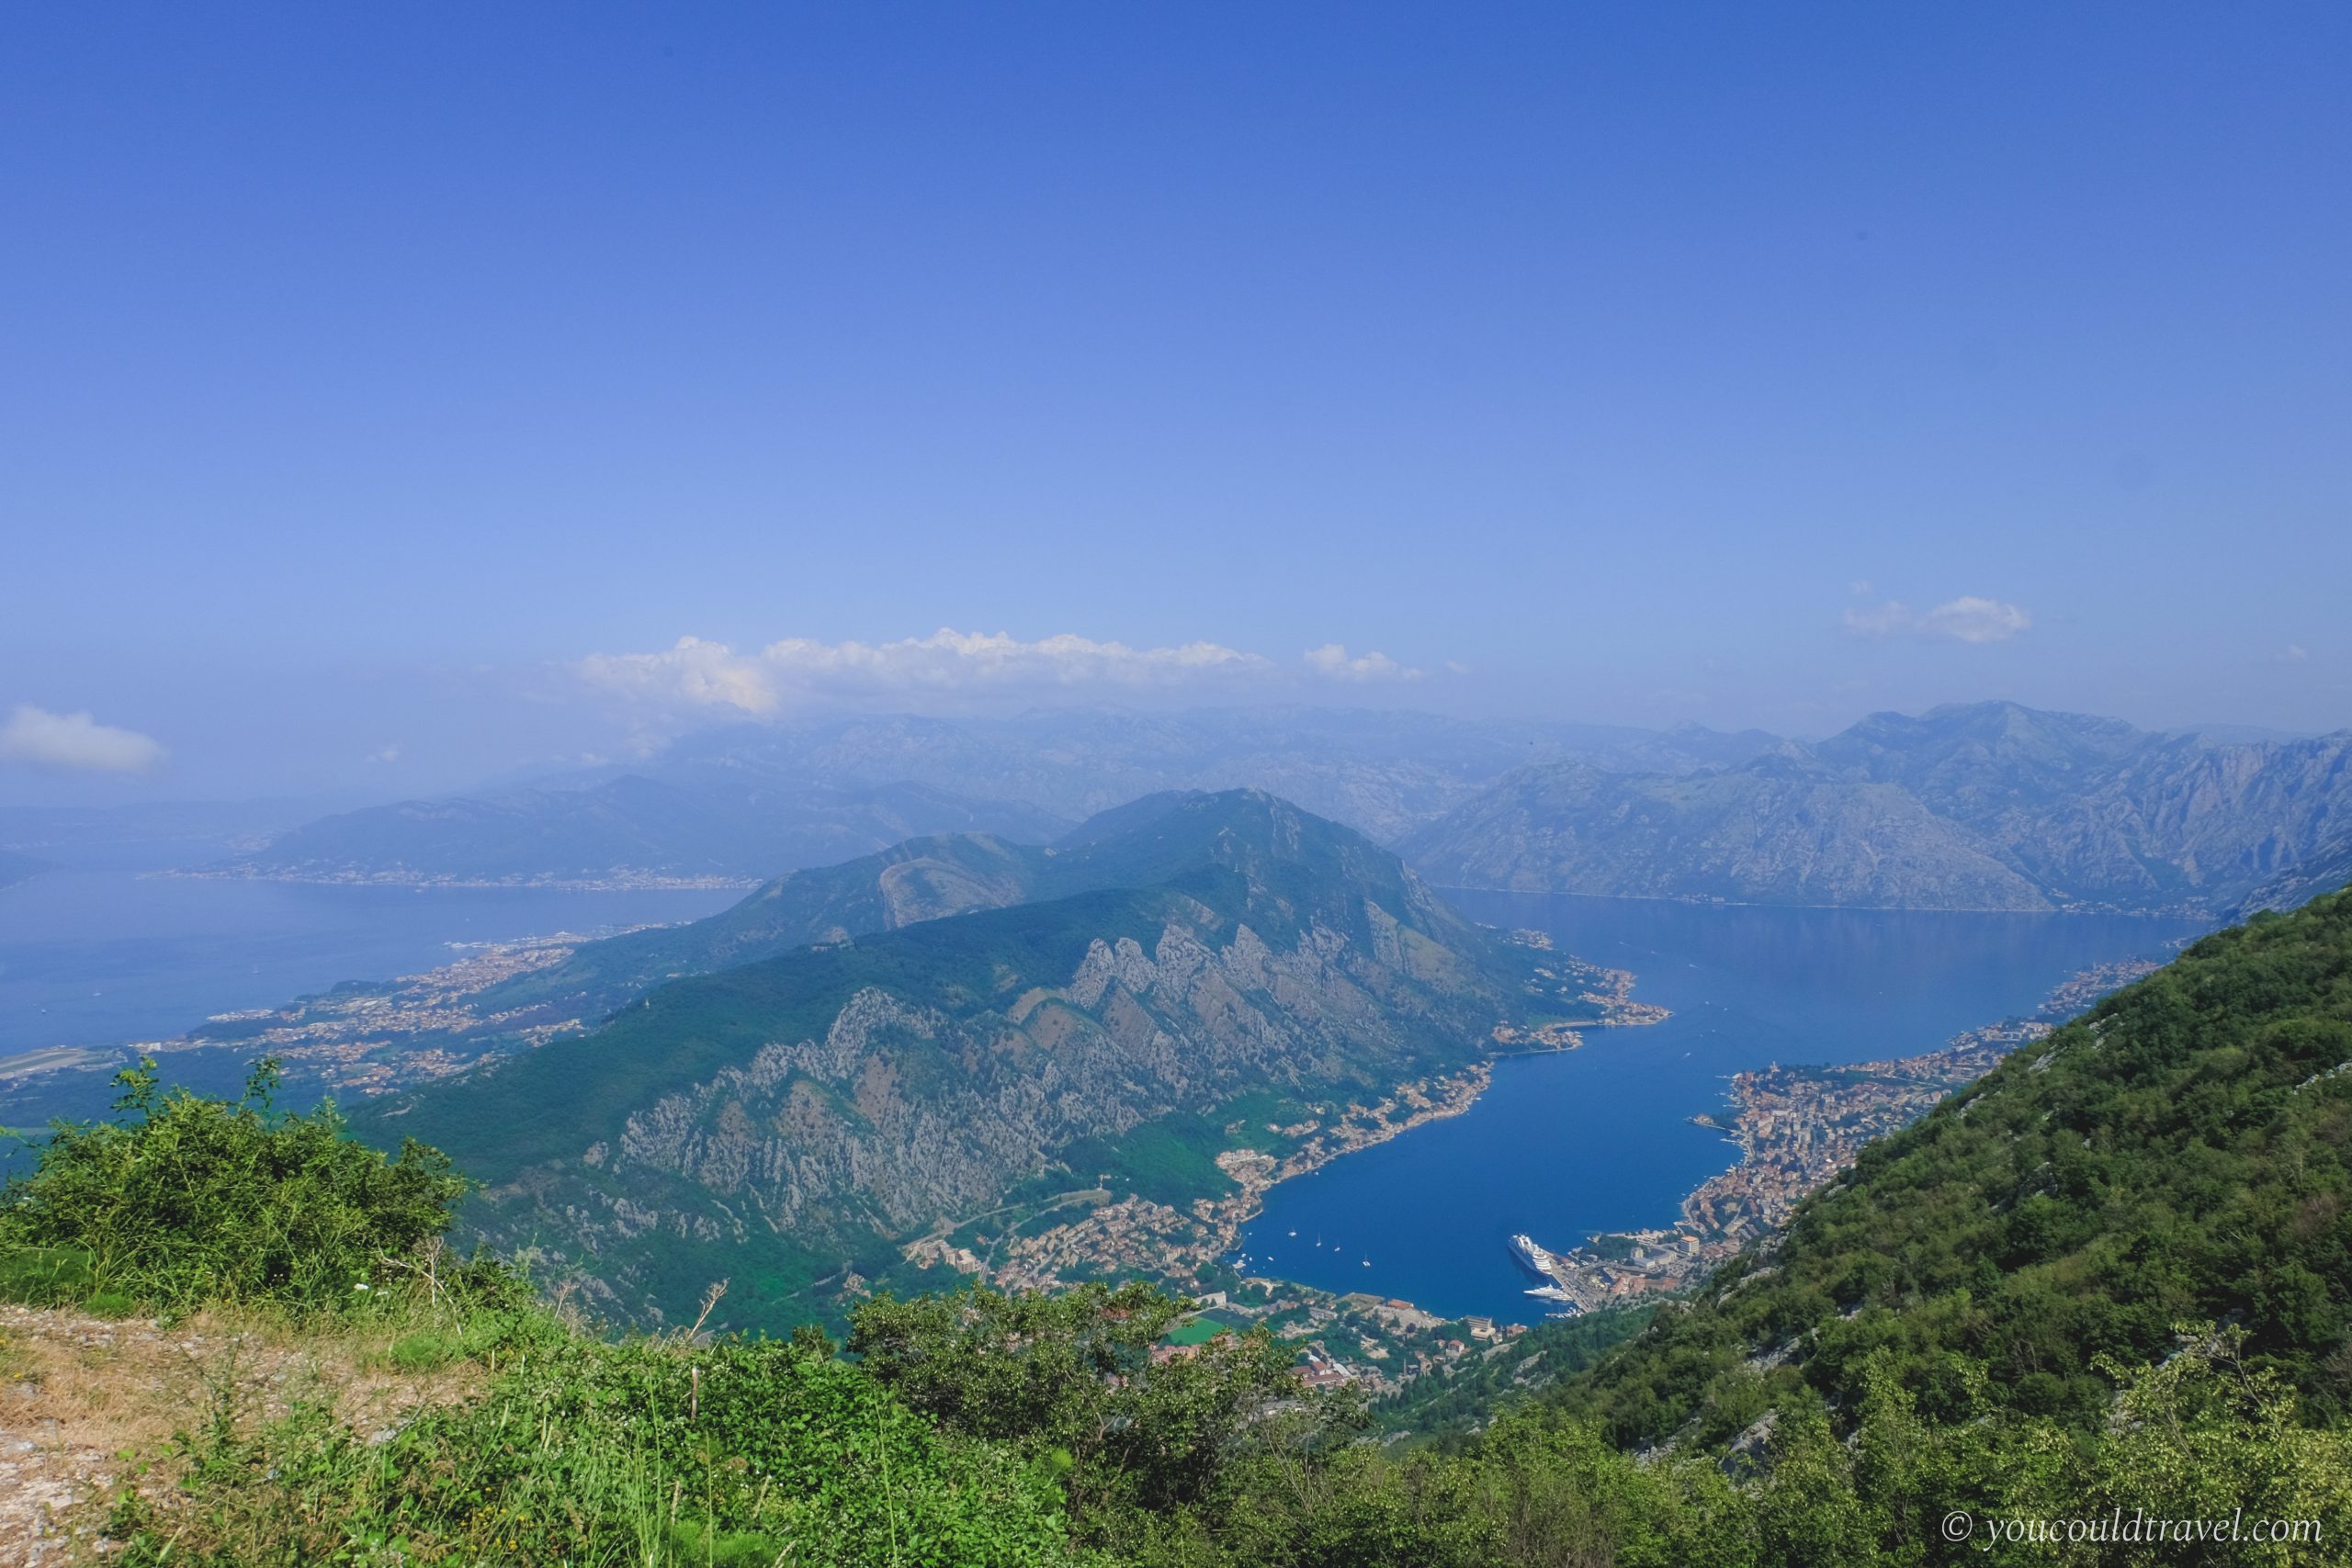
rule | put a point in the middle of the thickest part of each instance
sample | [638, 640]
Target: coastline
[620, 882]
[2189, 911]
[1177, 1245]
[1181, 1246]
[1797, 1128]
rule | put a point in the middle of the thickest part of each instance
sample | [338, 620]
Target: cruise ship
[1532, 1258]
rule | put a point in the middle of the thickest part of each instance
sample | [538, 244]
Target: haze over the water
[567, 379]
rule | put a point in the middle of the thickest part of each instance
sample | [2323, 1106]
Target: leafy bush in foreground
[1071, 1379]
[182, 1201]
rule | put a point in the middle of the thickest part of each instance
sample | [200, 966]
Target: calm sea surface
[1598, 1139]
[96, 953]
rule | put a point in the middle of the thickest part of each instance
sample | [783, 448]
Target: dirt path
[90, 1406]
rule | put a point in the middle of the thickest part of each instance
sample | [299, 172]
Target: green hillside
[2181, 1155]
[787, 1122]
[920, 879]
[1142, 844]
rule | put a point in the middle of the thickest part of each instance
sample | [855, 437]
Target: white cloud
[74, 742]
[1971, 619]
[1332, 660]
[1966, 619]
[696, 673]
[2295, 653]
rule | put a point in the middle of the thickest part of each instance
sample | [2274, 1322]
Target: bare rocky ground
[91, 1406]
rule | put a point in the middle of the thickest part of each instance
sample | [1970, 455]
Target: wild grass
[662, 1451]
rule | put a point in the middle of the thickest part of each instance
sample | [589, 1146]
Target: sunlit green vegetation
[183, 1199]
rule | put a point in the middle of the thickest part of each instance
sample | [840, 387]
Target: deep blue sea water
[93, 953]
[1565, 1145]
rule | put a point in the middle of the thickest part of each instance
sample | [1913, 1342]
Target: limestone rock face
[830, 1102]
[1990, 806]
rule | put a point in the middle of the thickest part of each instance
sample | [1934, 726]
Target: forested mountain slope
[1139, 844]
[787, 1119]
[2181, 1155]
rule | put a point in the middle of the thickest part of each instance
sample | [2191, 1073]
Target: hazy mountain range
[1985, 807]
[630, 828]
[747, 802]
[795, 1116]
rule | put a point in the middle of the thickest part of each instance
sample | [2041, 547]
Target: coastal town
[1375, 1343]
[1796, 1128]
[357, 1041]
[2094, 982]
[1134, 1235]
[1608, 992]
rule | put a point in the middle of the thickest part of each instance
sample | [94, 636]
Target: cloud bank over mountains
[698, 674]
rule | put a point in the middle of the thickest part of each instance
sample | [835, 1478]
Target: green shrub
[1071, 1380]
[182, 1200]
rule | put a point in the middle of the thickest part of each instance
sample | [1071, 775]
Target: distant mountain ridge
[628, 829]
[1380, 771]
[795, 1116]
[1990, 805]
[741, 802]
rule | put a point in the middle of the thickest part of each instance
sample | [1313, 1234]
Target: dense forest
[2110, 1282]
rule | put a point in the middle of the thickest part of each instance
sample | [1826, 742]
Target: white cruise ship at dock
[1533, 1258]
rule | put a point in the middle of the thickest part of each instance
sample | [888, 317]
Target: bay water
[1567, 1144]
[101, 950]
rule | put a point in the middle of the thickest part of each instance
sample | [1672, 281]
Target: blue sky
[389, 386]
